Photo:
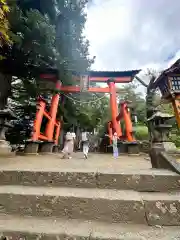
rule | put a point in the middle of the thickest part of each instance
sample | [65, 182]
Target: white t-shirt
[84, 136]
[70, 135]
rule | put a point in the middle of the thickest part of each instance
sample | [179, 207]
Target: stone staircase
[72, 204]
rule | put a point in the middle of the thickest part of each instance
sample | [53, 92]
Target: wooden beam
[77, 89]
[105, 79]
[116, 80]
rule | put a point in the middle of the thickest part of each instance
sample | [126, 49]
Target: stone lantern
[161, 127]
[5, 116]
[160, 130]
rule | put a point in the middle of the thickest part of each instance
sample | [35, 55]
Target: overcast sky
[132, 34]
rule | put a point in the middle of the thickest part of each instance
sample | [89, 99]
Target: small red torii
[123, 114]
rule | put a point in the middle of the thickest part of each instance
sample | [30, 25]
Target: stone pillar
[32, 147]
[5, 116]
[160, 140]
[133, 148]
[122, 146]
[56, 149]
[47, 147]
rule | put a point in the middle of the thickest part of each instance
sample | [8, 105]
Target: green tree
[91, 112]
[47, 35]
[33, 45]
[44, 35]
[4, 24]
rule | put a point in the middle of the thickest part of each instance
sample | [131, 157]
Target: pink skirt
[68, 147]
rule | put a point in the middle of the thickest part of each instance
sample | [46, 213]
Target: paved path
[95, 162]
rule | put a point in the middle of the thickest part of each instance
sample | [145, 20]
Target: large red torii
[111, 78]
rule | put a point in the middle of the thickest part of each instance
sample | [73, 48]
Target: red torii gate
[54, 126]
[123, 114]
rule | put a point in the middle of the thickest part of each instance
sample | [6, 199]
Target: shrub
[141, 133]
[176, 139]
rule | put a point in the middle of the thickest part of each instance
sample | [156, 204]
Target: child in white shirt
[84, 138]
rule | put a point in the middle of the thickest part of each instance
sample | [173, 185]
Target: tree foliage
[4, 24]
[45, 34]
[91, 111]
[33, 41]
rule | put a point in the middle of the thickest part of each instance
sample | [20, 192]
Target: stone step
[142, 180]
[16, 227]
[93, 204]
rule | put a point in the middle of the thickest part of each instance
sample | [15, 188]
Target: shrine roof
[173, 69]
[159, 115]
[110, 74]
[14, 69]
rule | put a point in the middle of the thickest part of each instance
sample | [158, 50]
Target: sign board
[84, 83]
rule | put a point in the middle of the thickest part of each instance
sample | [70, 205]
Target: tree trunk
[5, 92]
[150, 110]
[5, 89]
